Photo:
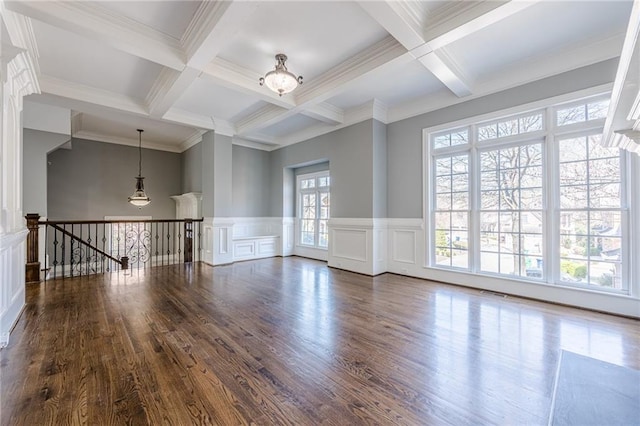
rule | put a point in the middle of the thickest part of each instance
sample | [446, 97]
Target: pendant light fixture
[281, 80]
[139, 197]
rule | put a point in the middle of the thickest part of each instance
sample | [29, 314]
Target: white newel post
[17, 80]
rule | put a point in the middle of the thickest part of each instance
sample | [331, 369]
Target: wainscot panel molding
[12, 276]
[358, 245]
[405, 249]
[257, 237]
[217, 240]
[288, 239]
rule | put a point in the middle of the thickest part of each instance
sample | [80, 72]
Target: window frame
[550, 198]
[317, 191]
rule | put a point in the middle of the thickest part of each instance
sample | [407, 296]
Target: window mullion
[551, 206]
[474, 203]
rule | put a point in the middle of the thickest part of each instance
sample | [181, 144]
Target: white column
[17, 79]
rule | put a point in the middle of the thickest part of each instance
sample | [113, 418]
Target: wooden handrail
[91, 222]
[73, 237]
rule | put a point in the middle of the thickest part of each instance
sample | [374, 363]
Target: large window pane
[511, 211]
[504, 181]
[591, 219]
[314, 209]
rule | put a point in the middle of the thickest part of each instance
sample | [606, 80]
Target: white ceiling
[181, 68]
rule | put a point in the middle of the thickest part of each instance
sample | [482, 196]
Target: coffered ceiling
[181, 68]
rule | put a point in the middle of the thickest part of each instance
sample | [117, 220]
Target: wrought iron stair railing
[75, 248]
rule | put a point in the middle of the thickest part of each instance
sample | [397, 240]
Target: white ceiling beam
[536, 68]
[243, 80]
[398, 21]
[444, 68]
[406, 25]
[457, 20]
[427, 36]
[213, 25]
[325, 112]
[262, 118]
[93, 21]
[624, 108]
[179, 116]
[328, 84]
[91, 95]
[168, 88]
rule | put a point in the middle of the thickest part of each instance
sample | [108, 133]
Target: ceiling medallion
[281, 80]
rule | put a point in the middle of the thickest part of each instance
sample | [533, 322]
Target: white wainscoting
[405, 248]
[217, 240]
[358, 245]
[12, 281]
[288, 239]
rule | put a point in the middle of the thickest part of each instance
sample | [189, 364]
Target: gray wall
[191, 167]
[404, 138]
[221, 154]
[250, 182]
[379, 169]
[94, 179]
[350, 153]
[36, 145]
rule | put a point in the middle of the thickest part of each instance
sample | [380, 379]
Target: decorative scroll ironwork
[137, 245]
[77, 248]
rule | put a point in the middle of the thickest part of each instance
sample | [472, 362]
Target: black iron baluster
[178, 225]
[46, 252]
[80, 250]
[168, 242]
[55, 252]
[104, 240]
[198, 224]
[62, 247]
[156, 238]
[71, 251]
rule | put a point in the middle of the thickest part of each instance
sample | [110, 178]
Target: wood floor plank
[289, 341]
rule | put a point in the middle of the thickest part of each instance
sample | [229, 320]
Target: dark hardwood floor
[290, 341]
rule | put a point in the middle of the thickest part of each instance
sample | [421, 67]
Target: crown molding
[213, 25]
[534, 69]
[325, 112]
[204, 20]
[180, 116]
[379, 54]
[101, 137]
[194, 139]
[223, 127]
[94, 21]
[82, 93]
[232, 76]
[261, 118]
[623, 118]
[371, 58]
[399, 18]
[22, 35]
[261, 144]
[456, 20]
[444, 68]
[168, 88]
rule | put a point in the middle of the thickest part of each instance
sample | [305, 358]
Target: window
[590, 202]
[546, 200]
[313, 209]
[511, 210]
